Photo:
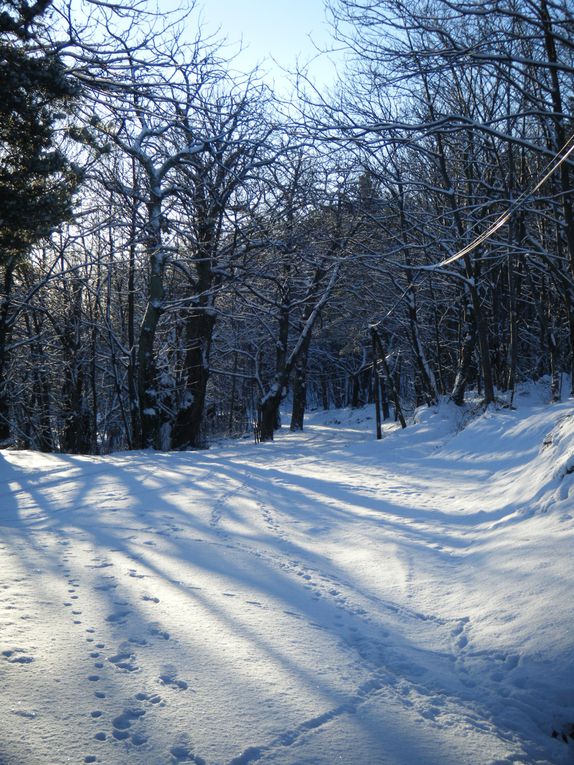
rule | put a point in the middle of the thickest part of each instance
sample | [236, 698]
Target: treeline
[178, 254]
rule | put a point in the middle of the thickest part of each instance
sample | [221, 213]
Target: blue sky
[282, 29]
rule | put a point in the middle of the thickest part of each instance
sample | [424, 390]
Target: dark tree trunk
[386, 410]
[376, 386]
[75, 433]
[5, 333]
[300, 386]
[268, 415]
[187, 426]
[464, 364]
[483, 343]
[148, 394]
[135, 435]
[356, 391]
[75, 437]
[299, 399]
[324, 392]
[426, 374]
[392, 384]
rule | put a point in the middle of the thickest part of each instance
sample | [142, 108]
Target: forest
[183, 252]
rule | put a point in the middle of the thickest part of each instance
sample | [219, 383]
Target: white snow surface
[322, 599]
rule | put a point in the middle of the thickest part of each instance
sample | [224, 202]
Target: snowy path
[318, 600]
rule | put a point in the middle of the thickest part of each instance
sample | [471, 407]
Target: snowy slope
[322, 599]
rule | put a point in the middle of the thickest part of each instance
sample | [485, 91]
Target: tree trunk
[390, 381]
[465, 361]
[268, 415]
[147, 371]
[299, 398]
[5, 332]
[300, 386]
[187, 426]
[135, 439]
[425, 372]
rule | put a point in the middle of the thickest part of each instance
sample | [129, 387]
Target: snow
[322, 599]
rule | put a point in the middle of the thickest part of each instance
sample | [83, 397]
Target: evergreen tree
[36, 179]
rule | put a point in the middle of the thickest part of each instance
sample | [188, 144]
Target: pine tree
[36, 180]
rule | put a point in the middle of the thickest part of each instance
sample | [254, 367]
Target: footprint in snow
[105, 586]
[155, 629]
[154, 698]
[17, 656]
[118, 617]
[127, 718]
[98, 563]
[169, 677]
[123, 723]
[137, 640]
[124, 659]
[182, 752]
[150, 599]
[28, 714]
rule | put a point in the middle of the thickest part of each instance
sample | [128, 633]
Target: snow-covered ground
[322, 599]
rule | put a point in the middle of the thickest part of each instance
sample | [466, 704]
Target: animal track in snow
[99, 563]
[124, 659]
[17, 656]
[118, 617]
[153, 698]
[169, 677]
[28, 714]
[105, 586]
[137, 640]
[156, 630]
[182, 752]
[125, 720]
